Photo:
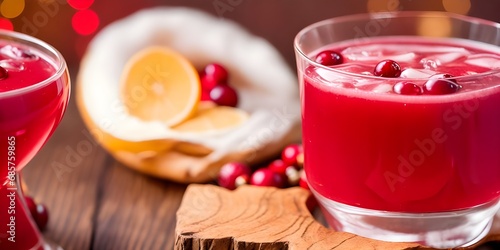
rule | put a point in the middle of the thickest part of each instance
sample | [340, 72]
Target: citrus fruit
[160, 84]
[125, 111]
[213, 119]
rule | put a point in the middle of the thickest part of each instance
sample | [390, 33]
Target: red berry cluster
[439, 84]
[284, 172]
[214, 84]
[39, 212]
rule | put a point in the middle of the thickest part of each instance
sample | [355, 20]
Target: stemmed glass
[34, 92]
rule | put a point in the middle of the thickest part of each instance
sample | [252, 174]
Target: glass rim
[30, 40]
[393, 14]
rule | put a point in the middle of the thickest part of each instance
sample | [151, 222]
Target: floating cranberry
[387, 68]
[233, 174]
[41, 217]
[329, 58]
[407, 88]
[441, 84]
[3, 73]
[214, 74]
[291, 153]
[224, 95]
[266, 177]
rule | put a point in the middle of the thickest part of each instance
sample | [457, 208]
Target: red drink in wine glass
[34, 92]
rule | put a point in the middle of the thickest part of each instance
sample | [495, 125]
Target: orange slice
[159, 84]
[213, 119]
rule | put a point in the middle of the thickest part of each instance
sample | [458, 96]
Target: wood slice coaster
[211, 217]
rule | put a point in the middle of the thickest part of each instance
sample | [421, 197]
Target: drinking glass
[393, 167]
[34, 93]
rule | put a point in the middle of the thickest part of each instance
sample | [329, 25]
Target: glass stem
[18, 230]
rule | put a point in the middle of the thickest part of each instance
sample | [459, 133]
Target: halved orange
[213, 119]
[159, 84]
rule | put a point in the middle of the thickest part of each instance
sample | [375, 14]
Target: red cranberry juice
[29, 114]
[370, 146]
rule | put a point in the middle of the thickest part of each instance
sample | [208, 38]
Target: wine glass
[34, 93]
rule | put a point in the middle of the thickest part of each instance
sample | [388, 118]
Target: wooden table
[95, 202]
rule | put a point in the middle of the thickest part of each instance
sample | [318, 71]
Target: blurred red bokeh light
[85, 22]
[6, 24]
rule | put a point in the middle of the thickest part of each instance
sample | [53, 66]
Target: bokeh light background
[69, 25]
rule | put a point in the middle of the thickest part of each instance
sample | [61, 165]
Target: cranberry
[214, 74]
[30, 203]
[329, 58]
[278, 166]
[266, 177]
[42, 216]
[387, 68]
[206, 84]
[407, 88]
[205, 95]
[224, 95]
[441, 84]
[229, 173]
[291, 153]
[287, 171]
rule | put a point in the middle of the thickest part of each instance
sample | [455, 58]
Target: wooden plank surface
[135, 211]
